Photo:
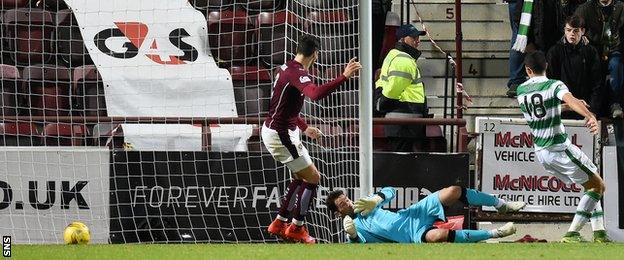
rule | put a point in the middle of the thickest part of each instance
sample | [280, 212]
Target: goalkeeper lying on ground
[366, 222]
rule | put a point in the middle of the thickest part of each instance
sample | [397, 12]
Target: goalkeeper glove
[349, 227]
[366, 205]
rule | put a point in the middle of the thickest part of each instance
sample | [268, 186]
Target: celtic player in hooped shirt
[540, 101]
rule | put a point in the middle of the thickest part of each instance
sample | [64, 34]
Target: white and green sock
[597, 218]
[584, 210]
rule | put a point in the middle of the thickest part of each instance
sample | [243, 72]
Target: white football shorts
[286, 148]
[570, 165]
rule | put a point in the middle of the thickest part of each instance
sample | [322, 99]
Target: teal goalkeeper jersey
[540, 102]
[383, 225]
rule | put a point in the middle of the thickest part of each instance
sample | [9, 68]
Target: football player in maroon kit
[281, 135]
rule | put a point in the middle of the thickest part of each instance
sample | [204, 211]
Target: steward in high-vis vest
[400, 92]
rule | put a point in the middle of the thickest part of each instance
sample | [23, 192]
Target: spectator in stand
[606, 40]
[400, 91]
[542, 29]
[517, 75]
[570, 6]
[576, 63]
[380, 9]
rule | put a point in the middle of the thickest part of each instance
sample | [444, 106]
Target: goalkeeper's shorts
[287, 148]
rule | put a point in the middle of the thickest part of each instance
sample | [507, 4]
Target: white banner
[44, 189]
[511, 170]
[154, 58]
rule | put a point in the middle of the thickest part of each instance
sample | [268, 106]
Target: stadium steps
[486, 34]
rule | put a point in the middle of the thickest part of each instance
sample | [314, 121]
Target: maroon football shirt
[292, 85]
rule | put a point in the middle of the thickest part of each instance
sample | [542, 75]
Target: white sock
[281, 218]
[493, 233]
[297, 222]
[583, 210]
[597, 221]
[500, 203]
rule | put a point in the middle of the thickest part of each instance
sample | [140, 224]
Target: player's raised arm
[314, 92]
[580, 107]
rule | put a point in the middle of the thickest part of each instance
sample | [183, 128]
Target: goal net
[142, 118]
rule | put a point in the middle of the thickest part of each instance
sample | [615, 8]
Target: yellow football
[77, 233]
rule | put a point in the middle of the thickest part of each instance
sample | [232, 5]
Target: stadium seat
[9, 90]
[332, 137]
[212, 5]
[63, 134]
[254, 143]
[88, 91]
[255, 6]
[336, 46]
[272, 36]
[380, 143]
[106, 134]
[69, 44]
[52, 5]
[28, 33]
[12, 4]
[19, 134]
[436, 142]
[325, 23]
[252, 90]
[46, 90]
[231, 37]
[393, 21]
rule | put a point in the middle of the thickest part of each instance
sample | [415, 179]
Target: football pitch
[323, 251]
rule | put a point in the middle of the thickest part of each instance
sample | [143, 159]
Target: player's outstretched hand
[352, 68]
[313, 132]
[366, 205]
[349, 227]
[592, 124]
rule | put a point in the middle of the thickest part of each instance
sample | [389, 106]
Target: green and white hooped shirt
[540, 102]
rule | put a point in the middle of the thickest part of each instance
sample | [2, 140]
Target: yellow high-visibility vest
[400, 78]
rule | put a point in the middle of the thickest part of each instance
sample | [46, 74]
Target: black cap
[408, 30]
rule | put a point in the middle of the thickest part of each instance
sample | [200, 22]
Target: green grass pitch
[501, 251]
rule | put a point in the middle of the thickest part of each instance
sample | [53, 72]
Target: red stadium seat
[324, 23]
[69, 44]
[231, 37]
[213, 5]
[62, 134]
[12, 4]
[272, 36]
[110, 135]
[47, 90]
[336, 46]
[52, 5]
[19, 134]
[332, 137]
[393, 22]
[252, 90]
[259, 5]
[88, 91]
[380, 143]
[29, 35]
[254, 144]
[9, 89]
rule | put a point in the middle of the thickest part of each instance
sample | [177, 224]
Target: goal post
[142, 118]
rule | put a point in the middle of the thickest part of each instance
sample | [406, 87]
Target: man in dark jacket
[544, 32]
[576, 63]
[604, 20]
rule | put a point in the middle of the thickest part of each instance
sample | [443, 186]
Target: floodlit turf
[324, 251]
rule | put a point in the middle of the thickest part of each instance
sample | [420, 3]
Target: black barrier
[417, 175]
[232, 197]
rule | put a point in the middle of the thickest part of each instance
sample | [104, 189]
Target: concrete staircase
[486, 33]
